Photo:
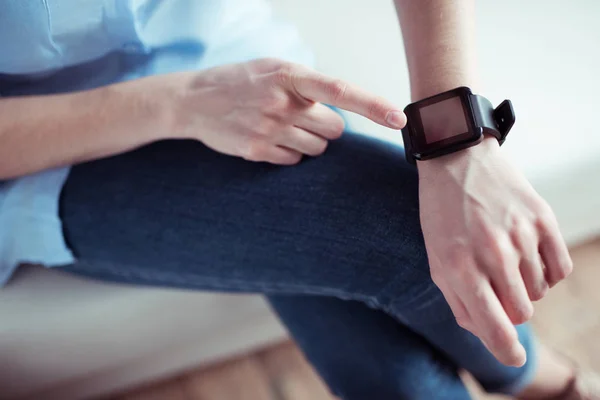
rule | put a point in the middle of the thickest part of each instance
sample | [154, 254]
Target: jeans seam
[208, 283]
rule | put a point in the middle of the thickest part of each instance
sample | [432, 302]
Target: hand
[269, 110]
[493, 243]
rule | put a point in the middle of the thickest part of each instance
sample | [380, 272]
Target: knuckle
[294, 159]
[503, 246]
[284, 74]
[523, 314]
[492, 244]
[520, 319]
[507, 275]
[254, 151]
[566, 268]
[337, 89]
[269, 62]
[499, 251]
[545, 216]
[275, 102]
[377, 109]
[459, 266]
[337, 128]
[552, 280]
[468, 276]
[522, 228]
[322, 147]
[265, 127]
[264, 65]
[560, 275]
[561, 271]
[502, 338]
[317, 148]
[539, 291]
[543, 208]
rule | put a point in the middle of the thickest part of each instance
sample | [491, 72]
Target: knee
[416, 375]
[368, 196]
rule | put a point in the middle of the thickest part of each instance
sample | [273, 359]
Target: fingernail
[396, 119]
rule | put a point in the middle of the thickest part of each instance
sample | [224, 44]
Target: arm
[263, 110]
[493, 243]
[41, 132]
[439, 41]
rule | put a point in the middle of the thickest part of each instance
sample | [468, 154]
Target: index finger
[492, 324]
[315, 86]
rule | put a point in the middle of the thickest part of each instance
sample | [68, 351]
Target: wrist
[185, 104]
[153, 105]
[438, 81]
[165, 98]
[143, 108]
[460, 160]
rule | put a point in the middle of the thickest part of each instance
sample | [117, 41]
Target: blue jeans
[334, 242]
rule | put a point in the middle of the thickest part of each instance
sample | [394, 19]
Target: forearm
[439, 41]
[41, 132]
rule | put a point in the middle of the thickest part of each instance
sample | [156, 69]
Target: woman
[179, 129]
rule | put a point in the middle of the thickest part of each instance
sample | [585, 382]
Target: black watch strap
[495, 121]
[480, 118]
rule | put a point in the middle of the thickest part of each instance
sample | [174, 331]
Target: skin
[263, 110]
[493, 243]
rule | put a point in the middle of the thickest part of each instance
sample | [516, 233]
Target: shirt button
[133, 47]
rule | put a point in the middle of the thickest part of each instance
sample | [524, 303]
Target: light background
[542, 54]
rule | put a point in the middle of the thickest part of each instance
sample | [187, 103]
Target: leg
[365, 354]
[344, 225]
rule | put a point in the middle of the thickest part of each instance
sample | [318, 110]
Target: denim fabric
[335, 242]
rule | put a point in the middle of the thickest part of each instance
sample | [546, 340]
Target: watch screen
[443, 120]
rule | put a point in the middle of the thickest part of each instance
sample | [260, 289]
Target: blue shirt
[57, 46]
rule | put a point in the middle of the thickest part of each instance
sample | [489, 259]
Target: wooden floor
[568, 319]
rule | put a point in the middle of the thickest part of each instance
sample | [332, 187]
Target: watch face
[442, 122]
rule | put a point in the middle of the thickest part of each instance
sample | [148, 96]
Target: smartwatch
[452, 121]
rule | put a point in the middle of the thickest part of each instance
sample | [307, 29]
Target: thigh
[178, 214]
[363, 353]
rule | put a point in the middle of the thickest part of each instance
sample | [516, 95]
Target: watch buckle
[504, 118]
